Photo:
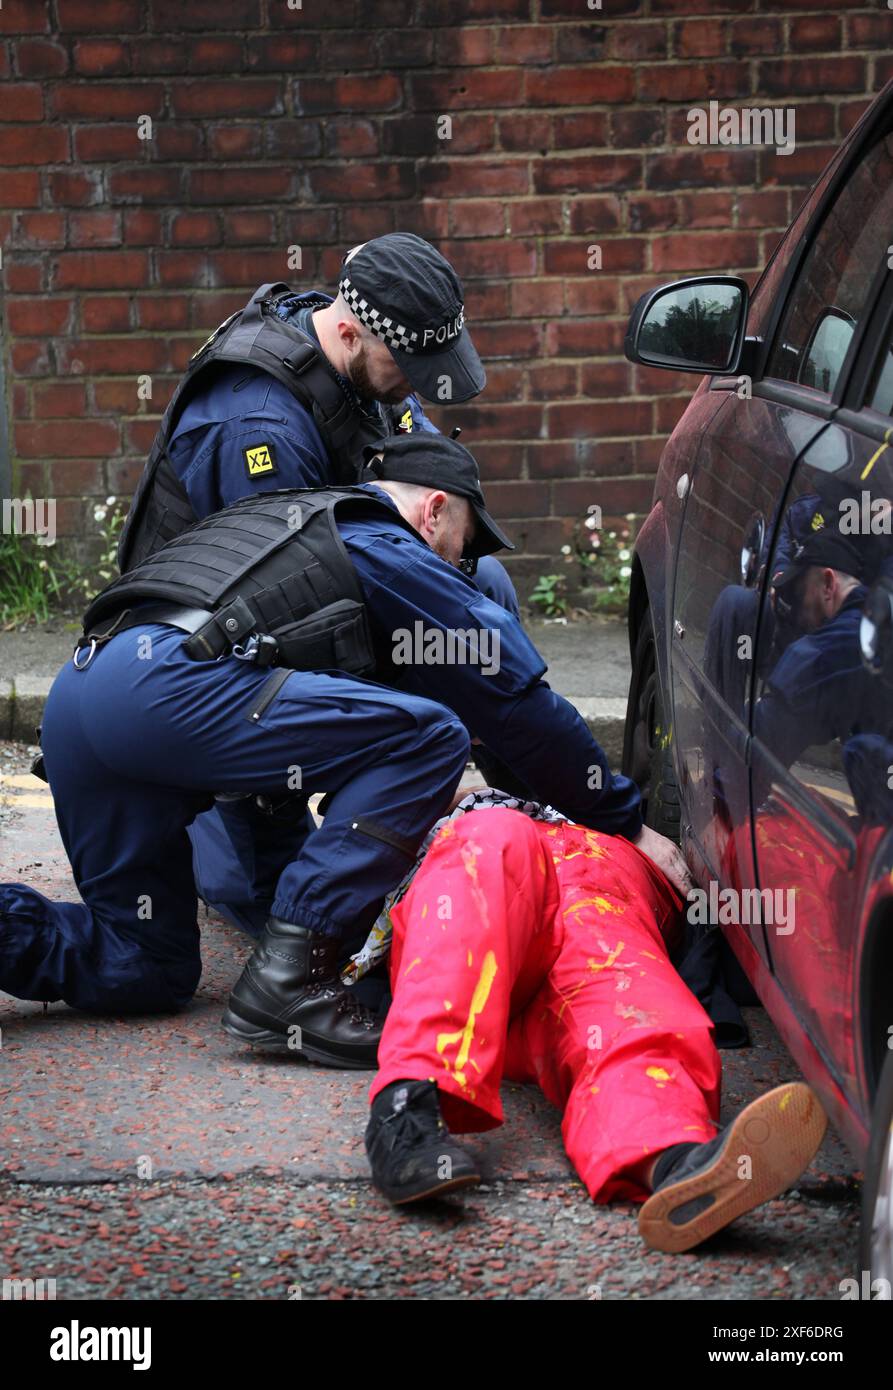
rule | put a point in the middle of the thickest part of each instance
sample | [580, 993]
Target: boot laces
[359, 1013]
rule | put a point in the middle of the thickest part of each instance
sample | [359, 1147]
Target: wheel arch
[875, 994]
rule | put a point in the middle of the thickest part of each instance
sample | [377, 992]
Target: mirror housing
[693, 325]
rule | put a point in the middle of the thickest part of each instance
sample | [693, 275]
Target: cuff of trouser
[464, 1110]
[289, 910]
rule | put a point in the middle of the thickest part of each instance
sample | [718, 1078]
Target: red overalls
[534, 951]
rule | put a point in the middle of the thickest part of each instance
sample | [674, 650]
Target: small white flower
[110, 501]
[623, 555]
[565, 550]
[99, 513]
[630, 516]
[612, 535]
[625, 572]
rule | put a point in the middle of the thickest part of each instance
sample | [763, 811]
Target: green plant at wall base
[548, 595]
[29, 584]
[37, 580]
[109, 517]
[604, 558]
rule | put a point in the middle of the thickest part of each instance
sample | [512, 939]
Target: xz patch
[260, 460]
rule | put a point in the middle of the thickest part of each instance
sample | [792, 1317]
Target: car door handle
[752, 550]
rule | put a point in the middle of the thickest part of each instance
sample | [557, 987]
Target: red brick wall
[318, 127]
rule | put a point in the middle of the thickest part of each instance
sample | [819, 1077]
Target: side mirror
[694, 325]
[828, 346]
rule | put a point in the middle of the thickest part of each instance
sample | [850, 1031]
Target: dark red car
[760, 718]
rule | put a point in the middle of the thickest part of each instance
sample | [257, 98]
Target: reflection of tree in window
[702, 330]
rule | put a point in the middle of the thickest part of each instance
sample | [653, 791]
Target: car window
[832, 290]
[880, 392]
[766, 290]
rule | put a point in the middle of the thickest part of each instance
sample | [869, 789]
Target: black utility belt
[335, 637]
[211, 635]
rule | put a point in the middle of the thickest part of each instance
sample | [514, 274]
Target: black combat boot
[409, 1146]
[290, 996]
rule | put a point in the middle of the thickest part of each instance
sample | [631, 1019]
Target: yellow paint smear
[875, 456]
[465, 1036]
[600, 904]
[609, 960]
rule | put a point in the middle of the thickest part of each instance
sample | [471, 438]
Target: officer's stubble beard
[361, 380]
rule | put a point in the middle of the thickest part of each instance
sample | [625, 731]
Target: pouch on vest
[337, 638]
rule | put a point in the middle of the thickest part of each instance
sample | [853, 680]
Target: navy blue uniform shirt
[511, 709]
[242, 408]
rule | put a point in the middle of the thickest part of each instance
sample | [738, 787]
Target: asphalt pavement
[151, 1157]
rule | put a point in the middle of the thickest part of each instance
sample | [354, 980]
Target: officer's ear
[436, 508]
[350, 333]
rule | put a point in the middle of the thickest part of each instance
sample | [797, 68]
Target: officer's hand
[462, 792]
[667, 856]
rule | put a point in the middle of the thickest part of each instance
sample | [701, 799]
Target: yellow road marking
[24, 780]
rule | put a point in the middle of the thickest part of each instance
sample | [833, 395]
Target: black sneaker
[703, 1187]
[410, 1150]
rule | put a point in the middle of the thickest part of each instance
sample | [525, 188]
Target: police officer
[172, 695]
[287, 393]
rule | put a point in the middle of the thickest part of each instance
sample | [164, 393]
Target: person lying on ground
[529, 947]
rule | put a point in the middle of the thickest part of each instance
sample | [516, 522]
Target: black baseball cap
[407, 294]
[828, 548]
[434, 460]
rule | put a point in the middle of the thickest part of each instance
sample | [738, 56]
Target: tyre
[647, 739]
[876, 1234]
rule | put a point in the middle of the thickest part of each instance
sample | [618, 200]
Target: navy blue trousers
[135, 745]
[238, 853]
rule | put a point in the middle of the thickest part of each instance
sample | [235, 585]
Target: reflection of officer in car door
[286, 394]
[734, 614]
[134, 739]
[819, 690]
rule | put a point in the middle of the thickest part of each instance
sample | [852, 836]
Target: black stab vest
[257, 337]
[272, 564]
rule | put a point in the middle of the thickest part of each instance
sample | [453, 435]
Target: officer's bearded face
[374, 374]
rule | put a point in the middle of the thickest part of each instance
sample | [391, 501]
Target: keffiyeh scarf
[378, 942]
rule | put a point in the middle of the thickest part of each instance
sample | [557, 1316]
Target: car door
[820, 752]
[732, 502]
[736, 505]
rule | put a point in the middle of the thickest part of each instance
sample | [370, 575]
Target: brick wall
[318, 127]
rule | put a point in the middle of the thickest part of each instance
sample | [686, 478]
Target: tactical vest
[269, 578]
[257, 337]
